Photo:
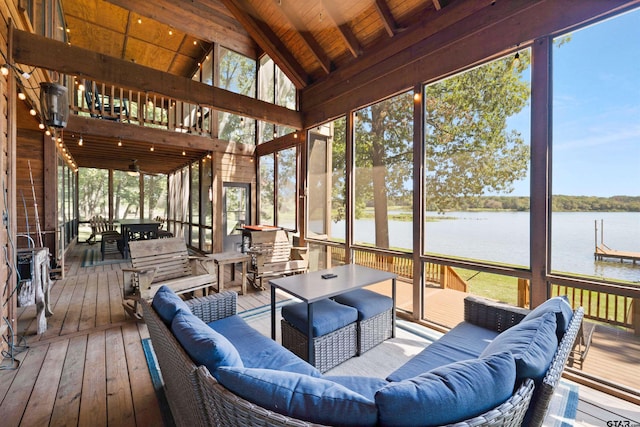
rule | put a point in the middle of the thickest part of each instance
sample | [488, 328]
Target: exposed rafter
[310, 41]
[350, 40]
[389, 22]
[212, 23]
[268, 41]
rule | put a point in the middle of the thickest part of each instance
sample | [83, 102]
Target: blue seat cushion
[533, 344]
[448, 394]
[328, 316]
[368, 303]
[204, 345]
[258, 351]
[558, 305]
[167, 304]
[366, 386]
[300, 396]
[465, 341]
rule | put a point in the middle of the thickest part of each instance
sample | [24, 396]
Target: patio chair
[110, 239]
[272, 255]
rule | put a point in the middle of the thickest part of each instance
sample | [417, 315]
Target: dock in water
[603, 252]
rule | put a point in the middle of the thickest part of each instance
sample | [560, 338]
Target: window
[126, 195]
[277, 188]
[477, 154]
[326, 192]
[286, 188]
[237, 73]
[596, 154]
[275, 87]
[383, 177]
[155, 196]
[266, 179]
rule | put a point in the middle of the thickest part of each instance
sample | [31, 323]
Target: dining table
[137, 229]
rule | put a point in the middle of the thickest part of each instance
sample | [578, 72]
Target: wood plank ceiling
[308, 39]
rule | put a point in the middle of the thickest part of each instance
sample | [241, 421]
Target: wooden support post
[635, 316]
[523, 293]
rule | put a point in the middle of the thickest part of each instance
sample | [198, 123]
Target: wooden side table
[232, 257]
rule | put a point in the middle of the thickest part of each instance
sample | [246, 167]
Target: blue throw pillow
[167, 304]
[300, 396]
[448, 394]
[558, 305]
[533, 344]
[204, 345]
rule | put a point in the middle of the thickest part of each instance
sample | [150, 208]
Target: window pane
[155, 196]
[266, 188]
[93, 193]
[383, 175]
[237, 73]
[596, 154]
[477, 154]
[195, 194]
[286, 188]
[327, 182]
[126, 195]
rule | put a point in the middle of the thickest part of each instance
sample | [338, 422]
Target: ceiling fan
[134, 169]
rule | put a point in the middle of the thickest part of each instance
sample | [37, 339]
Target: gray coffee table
[311, 287]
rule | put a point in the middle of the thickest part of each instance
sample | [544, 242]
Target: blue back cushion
[204, 345]
[563, 311]
[258, 351]
[328, 316]
[533, 344]
[300, 396]
[167, 304]
[448, 394]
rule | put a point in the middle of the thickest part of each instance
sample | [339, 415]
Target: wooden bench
[159, 262]
[272, 255]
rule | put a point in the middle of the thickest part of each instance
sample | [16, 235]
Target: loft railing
[109, 102]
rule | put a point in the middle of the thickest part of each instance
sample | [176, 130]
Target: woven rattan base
[373, 331]
[330, 350]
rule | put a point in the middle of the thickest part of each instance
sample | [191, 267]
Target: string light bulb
[33, 112]
[80, 141]
[21, 95]
[4, 70]
[516, 60]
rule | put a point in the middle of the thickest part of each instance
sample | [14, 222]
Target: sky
[596, 111]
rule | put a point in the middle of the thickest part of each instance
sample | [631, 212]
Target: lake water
[503, 237]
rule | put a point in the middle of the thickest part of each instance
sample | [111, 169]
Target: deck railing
[598, 305]
[601, 306]
[442, 275]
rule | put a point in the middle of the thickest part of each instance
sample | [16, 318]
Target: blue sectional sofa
[218, 370]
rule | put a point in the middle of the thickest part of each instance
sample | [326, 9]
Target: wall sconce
[54, 104]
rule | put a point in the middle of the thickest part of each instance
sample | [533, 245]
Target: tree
[469, 150]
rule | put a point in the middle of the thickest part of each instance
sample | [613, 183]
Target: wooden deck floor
[89, 369]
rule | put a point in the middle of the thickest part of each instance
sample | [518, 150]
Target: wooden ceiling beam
[210, 21]
[311, 43]
[268, 41]
[349, 38]
[479, 37]
[388, 21]
[38, 51]
[111, 129]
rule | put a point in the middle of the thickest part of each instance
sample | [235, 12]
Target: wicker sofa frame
[197, 399]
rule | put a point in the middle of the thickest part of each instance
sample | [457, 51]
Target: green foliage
[469, 149]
